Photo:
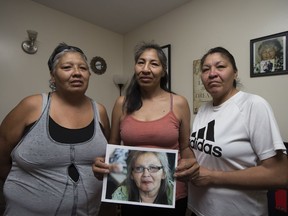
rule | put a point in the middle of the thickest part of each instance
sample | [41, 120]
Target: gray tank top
[39, 181]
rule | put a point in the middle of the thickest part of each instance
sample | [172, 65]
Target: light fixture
[29, 46]
[120, 80]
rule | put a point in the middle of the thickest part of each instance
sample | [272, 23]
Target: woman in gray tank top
[48, 143]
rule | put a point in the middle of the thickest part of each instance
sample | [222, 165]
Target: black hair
[60, 48]
[223, 52]
[133, 99]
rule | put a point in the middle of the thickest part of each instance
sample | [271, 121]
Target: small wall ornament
[30, 46]
[98, 65]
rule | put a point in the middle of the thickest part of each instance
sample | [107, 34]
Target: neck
[155, 93]
[221, 100]
[148, 197]
[72, 99]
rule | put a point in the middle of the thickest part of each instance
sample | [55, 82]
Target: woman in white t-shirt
[237, 143]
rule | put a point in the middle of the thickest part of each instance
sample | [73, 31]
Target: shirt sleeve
[264, 132]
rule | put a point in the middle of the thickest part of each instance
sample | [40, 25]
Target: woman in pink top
[149, 115]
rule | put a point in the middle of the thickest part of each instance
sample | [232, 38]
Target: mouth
[146, 182]
[76, 82]
[145, 79]
[213, 84]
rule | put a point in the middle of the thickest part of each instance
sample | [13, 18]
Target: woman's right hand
[100, 168]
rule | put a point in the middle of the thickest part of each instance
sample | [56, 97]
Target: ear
[163, 175]
[235, 75]
[52, 79]
[52, 76]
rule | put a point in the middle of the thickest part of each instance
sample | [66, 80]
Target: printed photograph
[140, 176]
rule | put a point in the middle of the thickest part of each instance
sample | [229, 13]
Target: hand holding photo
[140, 176]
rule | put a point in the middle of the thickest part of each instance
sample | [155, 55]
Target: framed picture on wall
[167, 50]
[135, 171]
[200, 95]
[268, 55]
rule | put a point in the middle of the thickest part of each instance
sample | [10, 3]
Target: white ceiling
[120, 16]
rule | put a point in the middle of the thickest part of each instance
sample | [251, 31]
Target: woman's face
[268, 53]
[218, 76]
[71, 73]
[148, 69]
[148, 182]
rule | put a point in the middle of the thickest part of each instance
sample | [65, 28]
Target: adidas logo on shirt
[203, 139]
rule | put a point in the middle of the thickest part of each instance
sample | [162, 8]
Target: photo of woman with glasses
[148, 179]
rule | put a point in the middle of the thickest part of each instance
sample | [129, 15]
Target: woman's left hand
[204, 178]
[187, 169]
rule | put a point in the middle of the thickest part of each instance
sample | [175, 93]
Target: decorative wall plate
[98, 65]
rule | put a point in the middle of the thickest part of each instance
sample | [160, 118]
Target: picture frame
[268, 55]
[200, 95]
[117, 158]
[167, 50]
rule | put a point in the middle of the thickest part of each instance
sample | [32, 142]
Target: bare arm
[12, 128]
[271, 173]
[117, 114]
[188, 167]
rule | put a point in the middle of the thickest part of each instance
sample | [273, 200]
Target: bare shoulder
[27, 111]
[32, 102]
[29, 108]
[101, 107]
[181, 107]
[118, 111]
[120, 101]
[119, 104]
[180, 100]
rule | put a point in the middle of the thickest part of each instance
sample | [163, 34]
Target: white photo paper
[138, 172]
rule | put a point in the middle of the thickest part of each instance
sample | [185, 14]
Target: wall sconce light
[29, 46]
[120, 80]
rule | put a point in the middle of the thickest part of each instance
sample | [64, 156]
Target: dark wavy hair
[223, 52]
[133, 99]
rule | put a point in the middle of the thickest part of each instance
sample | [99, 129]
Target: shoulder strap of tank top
[44, 100]
[171, 102]
[97, 110]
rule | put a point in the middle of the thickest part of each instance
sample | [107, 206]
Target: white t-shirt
[235, 135]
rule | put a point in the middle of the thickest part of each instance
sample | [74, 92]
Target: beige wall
[202, 24]
[22, 74]
[191, 30]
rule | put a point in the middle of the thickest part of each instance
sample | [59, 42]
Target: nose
[146, 172]
[212, 72]
[146, 67]
[76, 70]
